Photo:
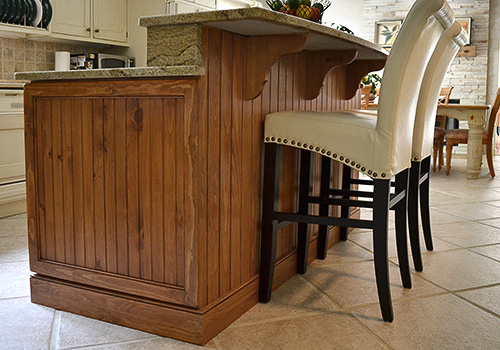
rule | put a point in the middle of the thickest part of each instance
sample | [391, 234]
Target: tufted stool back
[402, 79]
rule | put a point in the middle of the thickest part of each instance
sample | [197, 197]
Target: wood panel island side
[144, 185]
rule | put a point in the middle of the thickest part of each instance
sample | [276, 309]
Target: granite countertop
[166, 71]
[258, 21]
[10, 84]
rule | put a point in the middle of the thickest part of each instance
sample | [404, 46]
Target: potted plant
[374, 80]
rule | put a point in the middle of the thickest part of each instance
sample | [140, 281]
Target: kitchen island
[144, 185]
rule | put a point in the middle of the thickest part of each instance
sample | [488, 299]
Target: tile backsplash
[23, 55]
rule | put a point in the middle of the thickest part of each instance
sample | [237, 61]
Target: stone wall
[468, 75]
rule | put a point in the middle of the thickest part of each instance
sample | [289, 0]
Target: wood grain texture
[108, 203]
[152, 187]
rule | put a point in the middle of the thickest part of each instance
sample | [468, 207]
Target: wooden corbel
[319, 63]
[260, 53]
[356, 71]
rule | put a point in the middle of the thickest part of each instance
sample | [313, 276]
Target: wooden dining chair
[365, 96]
[377, 147]
[460, 136]
[439, 130]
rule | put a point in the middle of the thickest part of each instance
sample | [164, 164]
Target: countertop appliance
[100, 61]
[12, 168]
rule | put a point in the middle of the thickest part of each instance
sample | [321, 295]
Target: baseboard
[194, 326]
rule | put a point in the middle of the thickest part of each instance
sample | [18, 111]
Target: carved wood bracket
[260, 53]
[319, 63]
[356, 71]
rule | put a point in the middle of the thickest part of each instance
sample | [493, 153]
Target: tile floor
[454, 303]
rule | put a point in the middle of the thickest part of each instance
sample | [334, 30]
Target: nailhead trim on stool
[322, 151]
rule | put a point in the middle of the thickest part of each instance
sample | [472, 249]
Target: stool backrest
[403, 74]
[447, 47]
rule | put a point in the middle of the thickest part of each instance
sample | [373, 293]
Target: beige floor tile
[345, 252]
[354, 284]
[460, 269]
[74, 331]
[365, 240]
[14, 280]
[24, 325]
[438, 322]
[492, 251]
[330, 331]
[488, 297]
[156, 343]
[13, 227]
[297, 296]
[472, 234]
[437, 198]
[471, 211]
[440, 217]
[14, 249]
[491, 222]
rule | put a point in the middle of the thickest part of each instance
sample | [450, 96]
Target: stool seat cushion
[349, 137]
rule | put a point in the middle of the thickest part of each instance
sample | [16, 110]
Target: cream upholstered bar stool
[423, 137]
[379, 148]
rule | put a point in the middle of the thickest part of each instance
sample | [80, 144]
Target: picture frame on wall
[466, 23]
[386, 32]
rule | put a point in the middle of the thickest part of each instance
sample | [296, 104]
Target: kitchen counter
[12, 84]
[144, 190]
[165, 71]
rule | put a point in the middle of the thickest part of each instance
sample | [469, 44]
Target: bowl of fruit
[308, 9]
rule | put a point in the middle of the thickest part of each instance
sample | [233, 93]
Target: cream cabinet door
[71, 17]
[111, 20]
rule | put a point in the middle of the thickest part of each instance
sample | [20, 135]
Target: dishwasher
[12, 168]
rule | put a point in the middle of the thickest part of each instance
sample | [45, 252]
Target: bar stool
[379, 148]
[423, 137]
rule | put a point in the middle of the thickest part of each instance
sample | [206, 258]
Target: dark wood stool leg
[323, 208]
[401, 232]
[271, 190]
[303, 228]
[345, 211]
[424, 203]
[413, 214]
[380, 225]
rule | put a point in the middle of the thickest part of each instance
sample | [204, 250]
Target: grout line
[126, 342]
[54, 333]
[477, 305]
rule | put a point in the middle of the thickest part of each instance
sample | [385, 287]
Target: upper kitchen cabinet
[96, 21]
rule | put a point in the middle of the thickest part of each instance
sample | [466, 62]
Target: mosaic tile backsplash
[22, 55]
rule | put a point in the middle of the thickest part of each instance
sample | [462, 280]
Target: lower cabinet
[12, 177]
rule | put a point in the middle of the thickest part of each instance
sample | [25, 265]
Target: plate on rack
[30, 12]
[4, 10]
[39, 12]
[47, 13]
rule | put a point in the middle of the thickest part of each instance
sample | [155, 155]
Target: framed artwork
[386, 32]
[465, 22]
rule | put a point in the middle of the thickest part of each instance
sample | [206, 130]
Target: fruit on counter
[303, 11]
[275, 5]
[293, 4]
[318, 6]
[315, 14]
[306, 2]
[286, 9]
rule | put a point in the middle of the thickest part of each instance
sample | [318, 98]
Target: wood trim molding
[355, 71]
[260, 52]
[319, 63]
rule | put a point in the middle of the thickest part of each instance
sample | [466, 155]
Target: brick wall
[468, 75]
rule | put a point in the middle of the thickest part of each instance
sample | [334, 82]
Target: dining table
[476, 117]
